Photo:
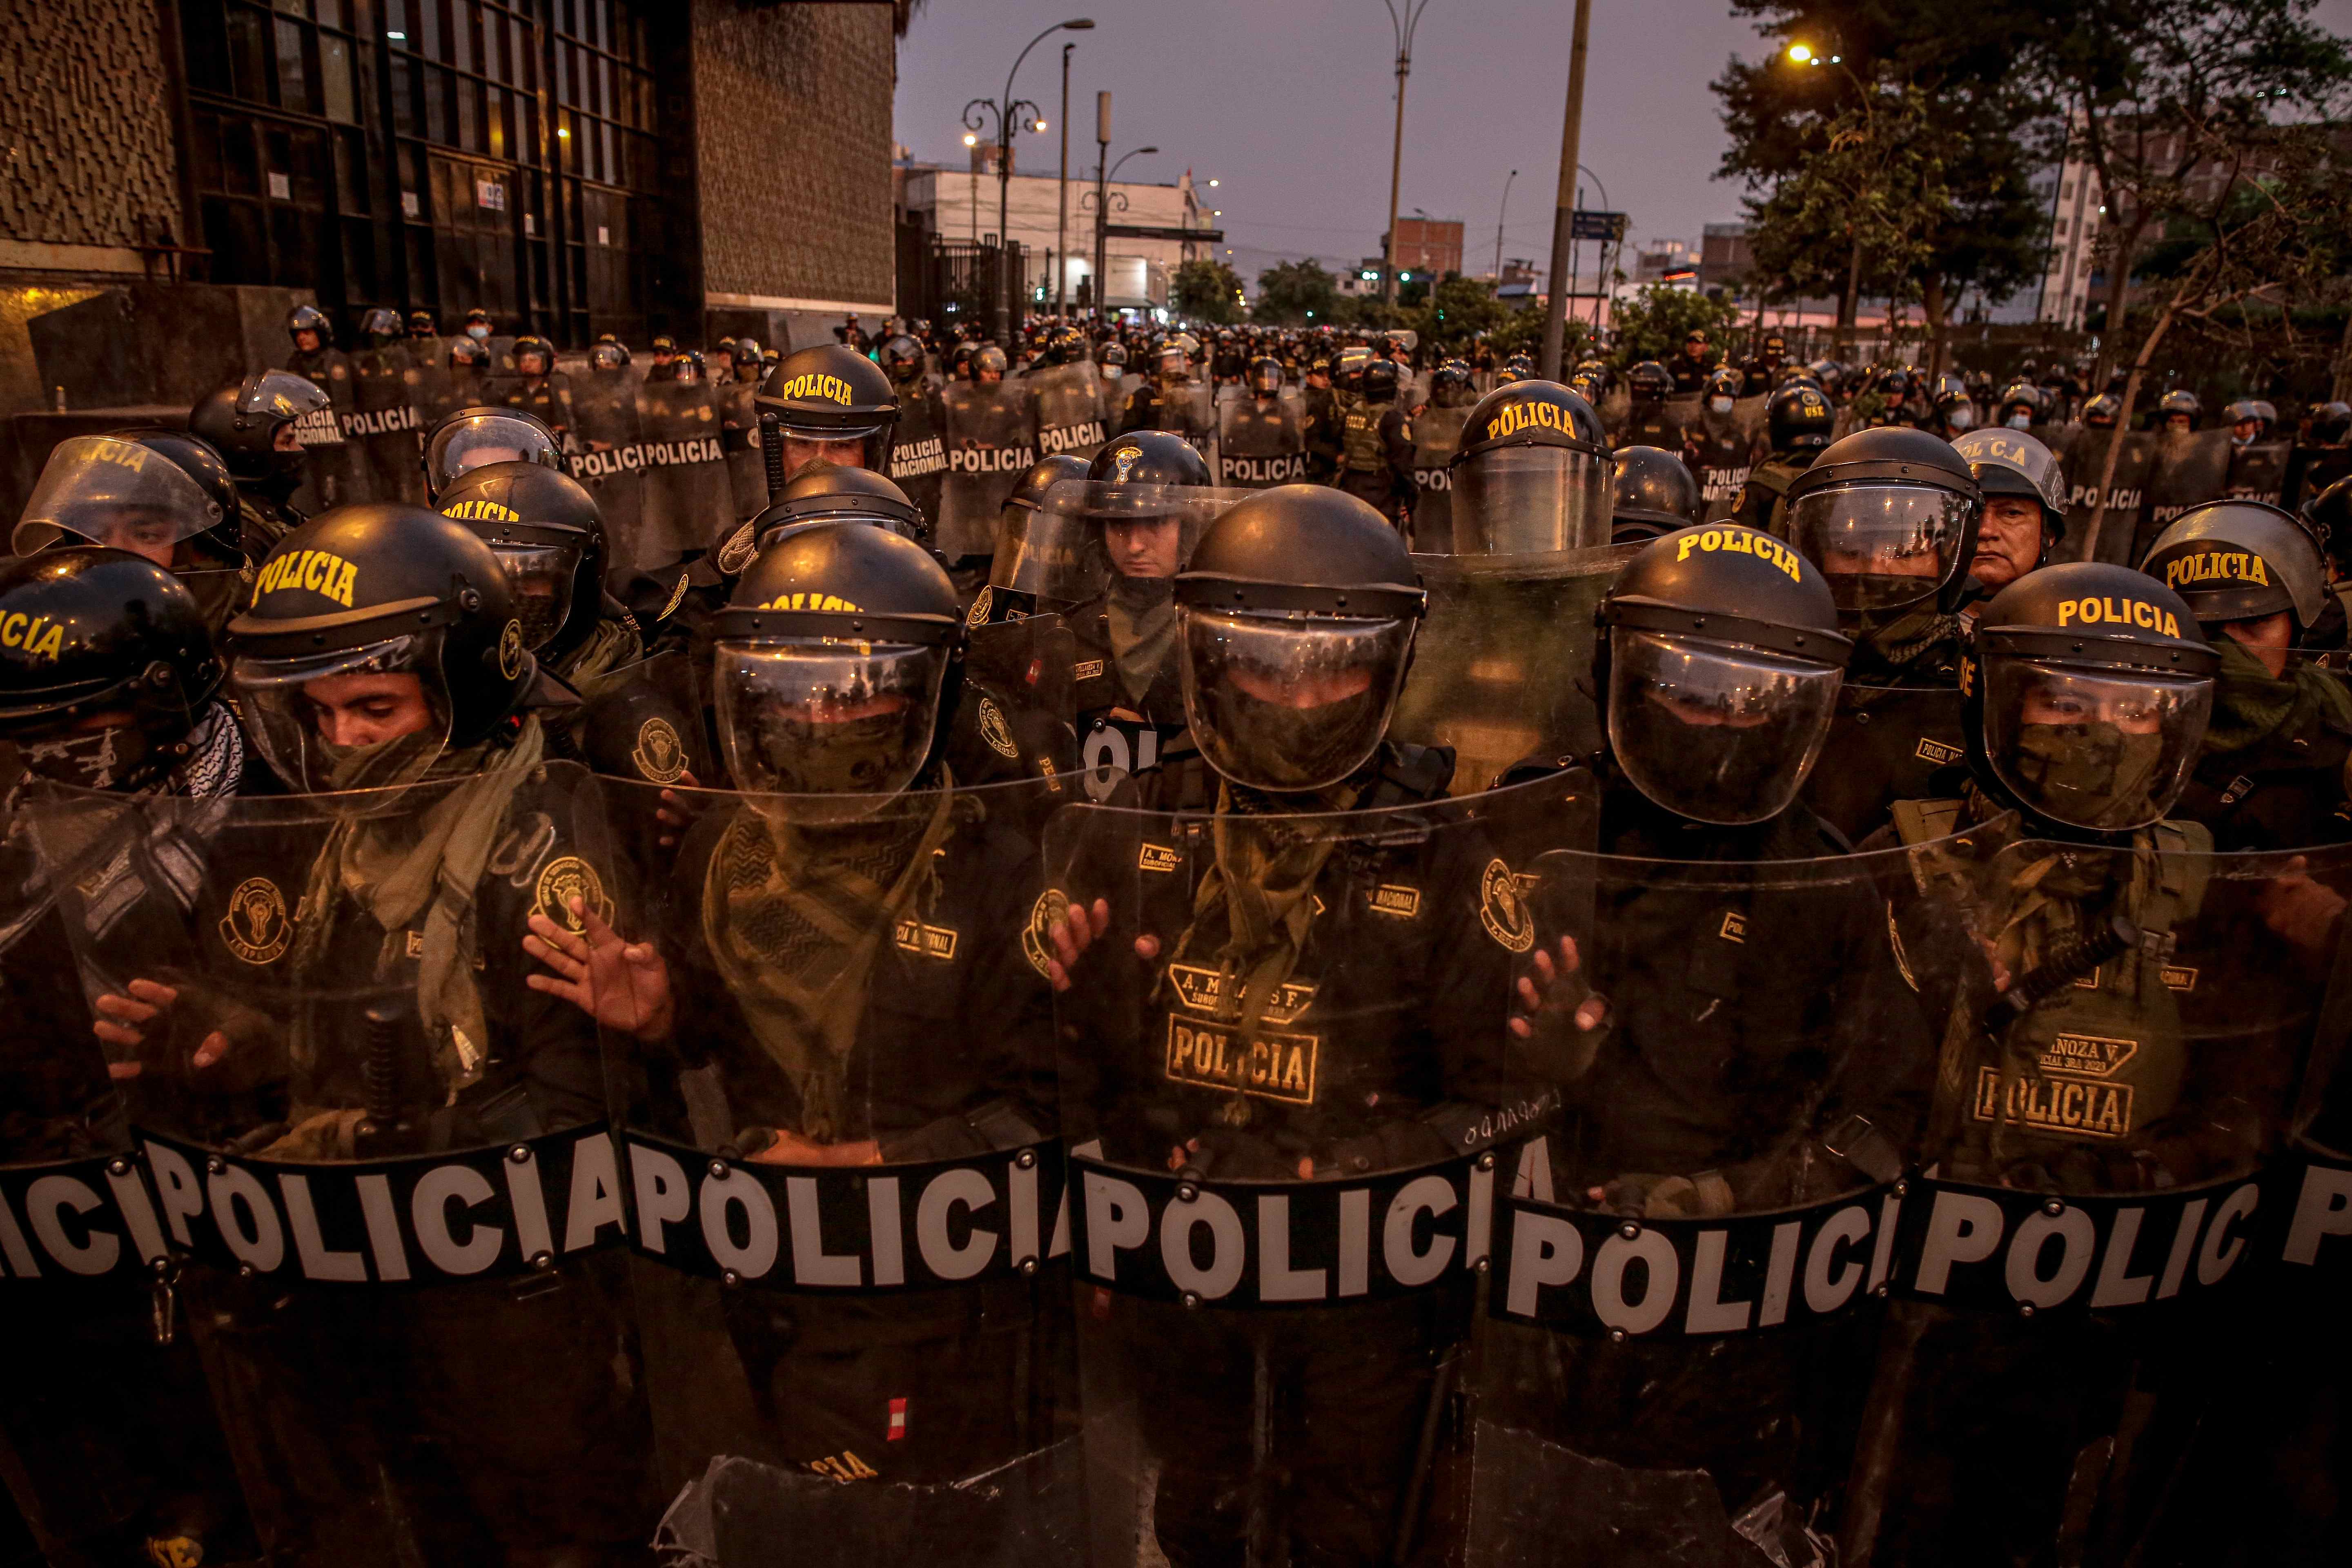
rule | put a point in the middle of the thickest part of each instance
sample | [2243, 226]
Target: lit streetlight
[1009, 113]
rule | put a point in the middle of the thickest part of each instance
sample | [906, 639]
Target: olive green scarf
[2250, 704]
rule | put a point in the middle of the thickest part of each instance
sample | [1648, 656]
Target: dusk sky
[1290, 103]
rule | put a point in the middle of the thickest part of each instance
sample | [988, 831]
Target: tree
[1460, 311]
[1207, 291]
[1655, 322]
[1295, 292]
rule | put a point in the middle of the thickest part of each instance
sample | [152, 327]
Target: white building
[2076, 209]
[956, 203]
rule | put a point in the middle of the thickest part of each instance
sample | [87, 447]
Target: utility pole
[1564, 220]
[1062, 198]
[1403, 26]
[1102, 161]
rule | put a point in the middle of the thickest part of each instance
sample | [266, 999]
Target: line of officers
[2054, 752]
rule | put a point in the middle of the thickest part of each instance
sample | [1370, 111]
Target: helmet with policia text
[477, 438]
[1655, 492]
[388, 610]
[2084, 691]
[2008, 462]
[838, 663]
[1053, 553]
[830, 492]
[832, 394]
[128, 493]
[1650, 382]
[2240, 561]
[1889, 515]
[88, 633]
[1533, 472]
[1798, 418]
[549, 536]
[1295, 623]
[901, 359]
[241, 421]
[1718, 670]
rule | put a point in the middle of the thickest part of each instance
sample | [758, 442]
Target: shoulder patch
[978, 613]
[736, 553]
[1036, 937]
[995, 730]
[565, 878]
[255, 927]
[659, 755]
[1501, 909]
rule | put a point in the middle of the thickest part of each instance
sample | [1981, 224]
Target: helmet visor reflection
[1521, 500]
[99, 489]
[1288, 701]
[542, 577]
[1881, 546]
[2099, 750]
[365, 718]
[1715, 731]
[828, 718]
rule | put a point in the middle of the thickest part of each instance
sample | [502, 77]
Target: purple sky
[1290, 104]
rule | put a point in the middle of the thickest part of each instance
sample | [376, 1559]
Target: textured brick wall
[85, 137]
[792, 142]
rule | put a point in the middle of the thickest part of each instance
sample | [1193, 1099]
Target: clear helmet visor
[1522, 500]
[1288, 701]
[542, 577]
[98, 490]
[808, 443]
[481, 440]
[1881, 546]
[365, 718]
[1056, 556]
[2099, 750]
[1142, 530]
[1715, 731]
[822, 717]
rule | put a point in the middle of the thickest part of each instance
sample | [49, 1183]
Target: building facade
[1054, 225]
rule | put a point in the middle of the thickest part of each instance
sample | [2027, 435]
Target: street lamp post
[1403, 26]
[1563, 217]
[1008, 112]
[1601, 266]
[1062, 194]
[1105, 195]
[1850, 307]
[1500, 212]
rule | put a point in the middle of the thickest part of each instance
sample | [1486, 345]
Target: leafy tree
[1207, 291]
[1293, 292]
[1460, 311]
[1655, 322]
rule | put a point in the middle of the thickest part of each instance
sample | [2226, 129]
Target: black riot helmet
[157, 494]
[1450, 386]
[1378, 381]
[902, 358]
[1650, 382]
[1295, 623]
[530, 343]
[608, 359]
[2240, 561]
[476, 438]
[549, 536]
[1889, 515]
[361, 593]
[1265, 376]
[1655, 492]
[1718, 672]
[1533, 472]
[831, 393]
[2008, 462]
[1149, 457]
[2331, 423]
[241, 421]
[1953, 411]
[1798, 419]
[86, 631]
[2021, 406]
[1048, 551]
[836, 664]
[2084, 691]
[2100, 412]
[310, 319]
[828, 491]
[422, 325]
[2327, 518]
[2180, 401]
[1062, 344]
[381, 325]
[1725, 385]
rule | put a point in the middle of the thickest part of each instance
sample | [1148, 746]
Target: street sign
[1609, 227]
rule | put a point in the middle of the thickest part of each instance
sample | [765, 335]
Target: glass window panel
[293, 7]
[497, 107]
[293, 92]
[404, 91]
[469, 115]
[204, 35]
[461, 33]
[427, 33]
[436, 103]
[519, 50]
[351, 175]
[240, 160]
[329, 13]
[604, 140]
[335, 78]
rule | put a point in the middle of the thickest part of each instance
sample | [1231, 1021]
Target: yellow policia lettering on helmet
[38, 636]
[2217, 566]
[480, 511]
[831, 388]
[318, 572]
[2114, 612]
[812, 601]
[1514, 417]
[124, 454]
[1743, 542]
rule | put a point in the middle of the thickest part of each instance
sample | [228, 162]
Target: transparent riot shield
[107, 1434]
[1015, 717]
[1282, 1077]
[918, 452]
[1260, 444]
[1720, 449]
[2082, 461]
[1070, 412]
[738, 430]
[831, 1069]
[1501, 667]
[330, 461]
[1689, 1270]
[1436, 438]
[386, 424]
[992, 441]
[1885, 744]
[2121, 1031]
[689, 500]
[609, 462]
[380, 1155]
[2258, 472]
[2189, 468]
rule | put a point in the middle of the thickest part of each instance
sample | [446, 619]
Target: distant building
[1725, 256]
[1662, 260]
[1428, 244]
[961, 203]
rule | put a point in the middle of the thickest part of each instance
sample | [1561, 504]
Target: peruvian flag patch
[898, 1420]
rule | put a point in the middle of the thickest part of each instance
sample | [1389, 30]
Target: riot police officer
[548, 538]
[1046, 562]
[1798, 425]
[919, 455]
[1764, 370]
[1648, 421]
[256, 424]
[2271, 773]
[336, 467]
[476, 438]
[161, 494]
[2021, 406]
[1653, 492]
[1376, 446]
[2024, 504]
[539, 389]
[1533, 472]
[832, 405]
[1695, 367]
[1259, 440]
[2177, 411]
[1889, 515]
[1318, 422]
[1952, 410]
[2100, 412]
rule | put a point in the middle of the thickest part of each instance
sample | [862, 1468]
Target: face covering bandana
[116, 758]
[399, 761]
[2089, 775]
